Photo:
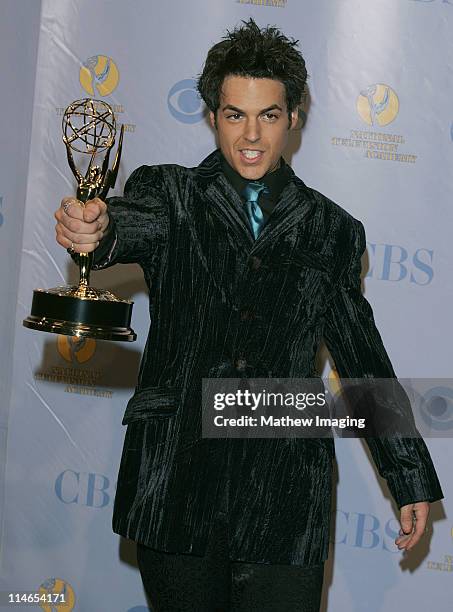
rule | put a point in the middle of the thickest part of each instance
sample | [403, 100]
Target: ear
[294, 118]
[212, 119]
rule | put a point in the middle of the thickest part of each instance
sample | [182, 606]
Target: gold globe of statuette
[89, 127]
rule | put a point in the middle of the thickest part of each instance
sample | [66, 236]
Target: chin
[251, 172]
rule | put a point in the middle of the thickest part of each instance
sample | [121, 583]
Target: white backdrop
[377, 140]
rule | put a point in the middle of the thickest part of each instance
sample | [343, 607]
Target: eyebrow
[265, 110]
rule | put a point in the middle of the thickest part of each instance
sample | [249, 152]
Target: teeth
[251, 154]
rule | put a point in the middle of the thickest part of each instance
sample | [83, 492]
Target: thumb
[91, 211]
[406, 519]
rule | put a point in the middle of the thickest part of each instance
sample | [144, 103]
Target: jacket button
[255, 263]
[241, 364]
[247, 315]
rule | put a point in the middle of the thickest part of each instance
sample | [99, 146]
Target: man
[248, 269]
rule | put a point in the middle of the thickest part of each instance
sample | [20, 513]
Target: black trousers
[213, 583]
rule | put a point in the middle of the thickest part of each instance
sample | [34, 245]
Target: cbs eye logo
[184, 102]
[436, 409]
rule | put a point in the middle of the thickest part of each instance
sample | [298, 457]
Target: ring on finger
[71, 248]
[66, 206]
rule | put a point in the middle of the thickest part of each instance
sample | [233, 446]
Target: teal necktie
[255, 214]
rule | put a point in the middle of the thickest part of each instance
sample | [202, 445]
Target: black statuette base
[74, 316]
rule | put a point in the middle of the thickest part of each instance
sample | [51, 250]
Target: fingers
[74, 246]
[69, 208]
[406, 518]
[81, 226]
[77, 226]
[409, 536]
[94, 209]
[407, 523]
[78, 237]
[418, 533]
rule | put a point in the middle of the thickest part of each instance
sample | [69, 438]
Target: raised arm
[125, 229]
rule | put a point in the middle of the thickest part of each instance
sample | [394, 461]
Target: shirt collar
[275, 181]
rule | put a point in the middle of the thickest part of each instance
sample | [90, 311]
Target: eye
[234, 116]
[271, 116]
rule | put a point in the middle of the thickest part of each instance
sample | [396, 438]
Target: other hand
[413, 518]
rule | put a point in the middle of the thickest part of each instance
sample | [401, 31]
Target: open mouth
[251, 156]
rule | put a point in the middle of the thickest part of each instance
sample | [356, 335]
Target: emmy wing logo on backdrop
[76, 350]
[75, 354]
[377, 105]
[99, 75]
[59, 594]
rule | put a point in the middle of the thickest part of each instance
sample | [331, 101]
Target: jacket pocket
[152, 402]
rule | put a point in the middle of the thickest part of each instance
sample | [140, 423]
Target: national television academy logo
[378, 104]
[76, 350]
[61, 592]
[99, 75]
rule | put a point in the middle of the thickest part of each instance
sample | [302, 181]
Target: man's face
[252, 124]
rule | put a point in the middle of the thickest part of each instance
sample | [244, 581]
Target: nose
[252, 131]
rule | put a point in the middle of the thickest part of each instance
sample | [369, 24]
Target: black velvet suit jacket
[221, 305]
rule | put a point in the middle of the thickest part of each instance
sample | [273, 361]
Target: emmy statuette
[81, 310]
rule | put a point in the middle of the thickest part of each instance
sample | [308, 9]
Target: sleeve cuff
[414, 485]
[102, 255]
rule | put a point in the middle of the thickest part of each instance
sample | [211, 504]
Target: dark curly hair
[258, 53]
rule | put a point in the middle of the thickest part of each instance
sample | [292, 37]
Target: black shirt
[275, 181]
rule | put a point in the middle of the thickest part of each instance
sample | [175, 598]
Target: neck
[276, 167]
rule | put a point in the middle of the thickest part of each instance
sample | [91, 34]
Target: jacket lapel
[223, 200]
[294, 205]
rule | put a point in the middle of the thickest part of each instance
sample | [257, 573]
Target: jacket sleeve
[358, 352]
[138, 221]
